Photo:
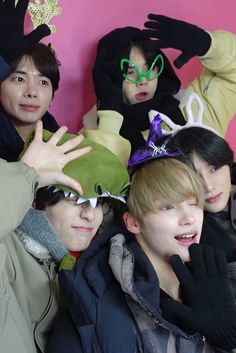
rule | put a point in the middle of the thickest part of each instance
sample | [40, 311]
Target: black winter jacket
[101, 320]
[11, 144]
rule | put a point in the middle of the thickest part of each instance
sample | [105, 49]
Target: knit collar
[33, 247]
[37, 226]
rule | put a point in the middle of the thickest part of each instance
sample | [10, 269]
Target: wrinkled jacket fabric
[105, 300]
[16, 331]
[29, 299]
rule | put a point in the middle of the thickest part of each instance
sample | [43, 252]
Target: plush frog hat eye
[100, 172]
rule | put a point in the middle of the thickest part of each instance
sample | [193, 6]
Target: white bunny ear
[191, 120]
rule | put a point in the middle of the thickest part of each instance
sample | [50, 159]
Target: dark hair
[46, 197]
[44, 58]
[142, 44]
[208, 145]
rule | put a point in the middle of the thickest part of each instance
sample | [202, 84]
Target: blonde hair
[163, 180]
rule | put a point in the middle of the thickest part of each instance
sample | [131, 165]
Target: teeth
[185, 236]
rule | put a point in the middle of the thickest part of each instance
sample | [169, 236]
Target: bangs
[166, 181]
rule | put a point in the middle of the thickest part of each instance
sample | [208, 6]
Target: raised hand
[172, 33]
[208, 305]
[13, 41]
[48, 159]
[107, 79]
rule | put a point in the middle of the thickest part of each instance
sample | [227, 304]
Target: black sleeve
[50, 123]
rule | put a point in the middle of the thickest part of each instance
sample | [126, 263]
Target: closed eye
[166, 207]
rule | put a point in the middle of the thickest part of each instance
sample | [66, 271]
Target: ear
[131, 223]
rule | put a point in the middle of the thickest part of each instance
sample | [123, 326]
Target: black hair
[117, 45]
[47, 197]
[209, 146]
[44, 58]
[140, 43]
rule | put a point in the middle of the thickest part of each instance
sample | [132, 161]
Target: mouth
[186, 239]
[213, 199]
[83, 229]
[141, 96]
[29, 107]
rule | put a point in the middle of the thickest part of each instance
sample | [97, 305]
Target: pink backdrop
[83, 22]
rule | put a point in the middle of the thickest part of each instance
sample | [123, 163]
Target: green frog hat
[100, 172]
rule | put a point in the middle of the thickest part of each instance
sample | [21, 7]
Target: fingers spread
[72, 143]
[55, 138]
[38, 131]
[77, 153]
[71, 183]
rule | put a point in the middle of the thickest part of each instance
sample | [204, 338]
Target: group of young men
[131, 290]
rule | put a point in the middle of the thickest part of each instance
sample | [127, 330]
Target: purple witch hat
[152, 150]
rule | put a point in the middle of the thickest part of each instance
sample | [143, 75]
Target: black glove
[107, 79]
[171, 33]
[13, 42]
[208, 303]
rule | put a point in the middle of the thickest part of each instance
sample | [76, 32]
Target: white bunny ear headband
[191, 121]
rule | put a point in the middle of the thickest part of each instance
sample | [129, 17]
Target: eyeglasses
[134, 75]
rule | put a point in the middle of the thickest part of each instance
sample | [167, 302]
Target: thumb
[177, 313]
[181, 60]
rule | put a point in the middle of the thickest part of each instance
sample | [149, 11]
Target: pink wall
[83, 22]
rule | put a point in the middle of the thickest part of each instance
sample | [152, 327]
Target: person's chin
[214, 208]
[185, 257]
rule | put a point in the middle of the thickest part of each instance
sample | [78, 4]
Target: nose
[87, 212]
[207, 184]
[143, 81]
[31, 89]
[186, 217]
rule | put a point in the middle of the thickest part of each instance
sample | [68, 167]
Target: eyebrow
[26, 73]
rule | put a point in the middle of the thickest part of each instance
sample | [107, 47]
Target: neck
[167, 278]
[23, 130]
[168, 281]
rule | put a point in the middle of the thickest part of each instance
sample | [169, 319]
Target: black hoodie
[11, 144]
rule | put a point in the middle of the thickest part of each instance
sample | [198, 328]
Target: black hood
[136, 119]
[115, 41]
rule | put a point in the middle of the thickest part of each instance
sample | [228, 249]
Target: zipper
[50, 269]
[205, 90]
